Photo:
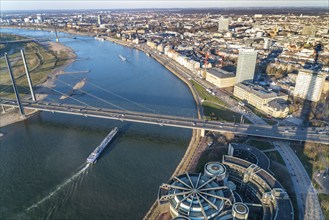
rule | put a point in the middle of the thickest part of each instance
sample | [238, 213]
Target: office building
[223, 24]
[309, 30]
[309, 85]
[99, 20]
[39, 18]
[246, 65]
[267, 43]
[269, 102]
[220, 78]
[221, 191]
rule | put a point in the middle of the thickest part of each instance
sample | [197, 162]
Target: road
[221, 94]
[306, 196]
[307, 200]
[276, 132]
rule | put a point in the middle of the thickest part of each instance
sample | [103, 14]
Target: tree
[221, 140]
[229, 136]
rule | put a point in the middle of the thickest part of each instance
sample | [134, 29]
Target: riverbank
[12, 116]
[197, 144]
[64, 56]
[192, 152]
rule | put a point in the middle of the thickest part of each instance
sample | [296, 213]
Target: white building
[309, 85]
[223, 24]
[39, 18]
[246, 65]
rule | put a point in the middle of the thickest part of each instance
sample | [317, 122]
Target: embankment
[65, 57]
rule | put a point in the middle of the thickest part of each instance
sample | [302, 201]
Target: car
[241, 103]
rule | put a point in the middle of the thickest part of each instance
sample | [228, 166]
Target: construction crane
[205, 63]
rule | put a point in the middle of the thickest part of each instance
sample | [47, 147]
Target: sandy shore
[12, 116]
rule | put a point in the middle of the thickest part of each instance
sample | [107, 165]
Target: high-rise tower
[309, 85]
[223, 24]
[246, 65]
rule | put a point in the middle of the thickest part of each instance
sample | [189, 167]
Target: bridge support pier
[28, 76]
[20, 107]
[203, 133]
[3, 109]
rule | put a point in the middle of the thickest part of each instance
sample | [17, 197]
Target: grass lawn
[299, 151]
[40, 62]
[213, 105]
[206, 95]
[260, 145]
[223, 114]
[312, 156]
[275, 156]
[324, 201]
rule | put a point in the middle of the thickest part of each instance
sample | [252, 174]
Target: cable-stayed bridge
[119, 113]
[275, 132]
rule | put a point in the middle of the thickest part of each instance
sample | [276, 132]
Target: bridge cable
[115, 94]
[96, 97]
[82, 102]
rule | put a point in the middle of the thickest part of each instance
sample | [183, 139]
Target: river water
[43, 174]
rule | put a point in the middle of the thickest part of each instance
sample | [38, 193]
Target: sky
[131, 4]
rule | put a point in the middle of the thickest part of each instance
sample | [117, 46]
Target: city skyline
[136, 4]
[229, 104]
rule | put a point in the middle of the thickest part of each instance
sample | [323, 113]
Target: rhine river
[43, 173]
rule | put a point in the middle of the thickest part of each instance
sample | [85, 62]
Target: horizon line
[180, 8]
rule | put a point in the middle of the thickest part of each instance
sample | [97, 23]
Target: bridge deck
[276, 132]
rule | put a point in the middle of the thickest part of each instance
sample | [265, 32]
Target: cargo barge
[98, 150]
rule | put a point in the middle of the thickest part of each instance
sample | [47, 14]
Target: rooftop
[220, 73]
[259, 90]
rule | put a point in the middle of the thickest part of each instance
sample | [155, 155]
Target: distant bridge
[28, 40]
[268, 131]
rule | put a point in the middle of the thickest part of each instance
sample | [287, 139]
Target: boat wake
[76, 179]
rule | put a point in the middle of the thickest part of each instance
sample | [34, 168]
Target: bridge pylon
[203, 133]
[28, 76]
[57, 39]
[20, 107]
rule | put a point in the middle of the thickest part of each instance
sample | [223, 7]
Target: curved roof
[195, 196]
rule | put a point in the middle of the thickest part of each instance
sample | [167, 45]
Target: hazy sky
[128, 4]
